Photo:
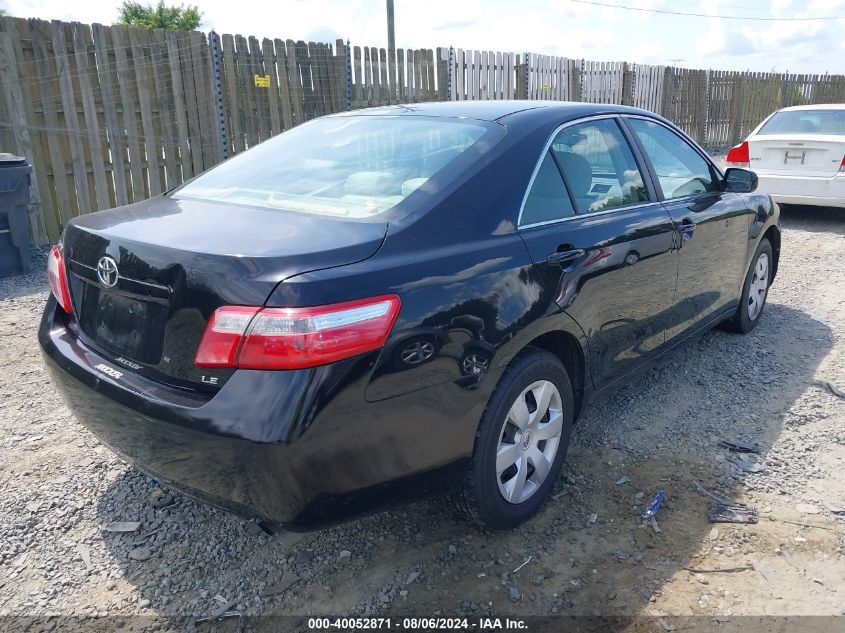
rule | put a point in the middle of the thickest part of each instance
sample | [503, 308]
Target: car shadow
[813, 219]
[588, 552]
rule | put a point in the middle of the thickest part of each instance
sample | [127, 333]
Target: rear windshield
[349, 166]
[806, 122]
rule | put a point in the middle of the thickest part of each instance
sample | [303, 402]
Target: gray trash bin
[14, 222]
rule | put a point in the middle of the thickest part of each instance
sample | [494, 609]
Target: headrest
[578, 172]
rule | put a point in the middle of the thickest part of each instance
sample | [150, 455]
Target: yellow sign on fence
[262, 81]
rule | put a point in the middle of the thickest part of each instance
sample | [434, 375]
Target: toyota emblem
[107, 271]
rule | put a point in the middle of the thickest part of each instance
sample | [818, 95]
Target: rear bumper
[816, 191]
[299, 448]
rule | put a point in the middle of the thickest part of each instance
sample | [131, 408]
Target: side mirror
[740, 180]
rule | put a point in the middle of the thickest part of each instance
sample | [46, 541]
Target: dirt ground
[588, 553]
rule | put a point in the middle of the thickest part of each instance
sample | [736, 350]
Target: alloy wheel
[759, 287]
[529, 441]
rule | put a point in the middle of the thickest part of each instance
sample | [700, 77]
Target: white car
[798, 155]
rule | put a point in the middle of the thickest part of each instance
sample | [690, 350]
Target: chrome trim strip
[144, 289]
[594, 214]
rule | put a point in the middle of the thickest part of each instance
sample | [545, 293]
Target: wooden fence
[105, 115]
[109, 115]
[717, 108]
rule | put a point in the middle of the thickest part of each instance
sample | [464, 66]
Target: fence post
[668, 93]
[582, 74]
[705, 124]
[218, 89]
[744, 107]
[628, 78]
[573, 71]
[348, 51]
[524, 78]
[449, 72]
[784, 89]
[824, 83]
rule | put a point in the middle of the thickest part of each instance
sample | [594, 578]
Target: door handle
[685, 229]
[560, 257]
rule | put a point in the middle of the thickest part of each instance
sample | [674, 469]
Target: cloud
[797, 45]
[714, 40]
[649, 52]
[322, 34]
[449, 25]
[790, 43]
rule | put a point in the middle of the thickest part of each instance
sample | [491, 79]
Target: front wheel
[755, 290]
[521, 442]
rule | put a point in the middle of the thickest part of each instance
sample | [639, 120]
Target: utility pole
[391, 35]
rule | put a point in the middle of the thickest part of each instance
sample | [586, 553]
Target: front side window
[680, 170]
[599, 166]
[547, 199]
[349, 166]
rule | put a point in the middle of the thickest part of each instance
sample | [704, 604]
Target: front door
[603, 244]
[712, 225]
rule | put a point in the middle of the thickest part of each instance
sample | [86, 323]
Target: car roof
[817, 106]
[494, 110]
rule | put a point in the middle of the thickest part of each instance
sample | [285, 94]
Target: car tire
[531, 377]
[754, 291]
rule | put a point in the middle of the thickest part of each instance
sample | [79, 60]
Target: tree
[160, 16]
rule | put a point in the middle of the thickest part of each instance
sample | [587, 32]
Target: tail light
[842, 166]
[57, 275]
[739, 155]
[295, 338]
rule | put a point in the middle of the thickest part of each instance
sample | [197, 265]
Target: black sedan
[394, 302]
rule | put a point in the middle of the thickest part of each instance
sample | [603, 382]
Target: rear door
[713, 225]
[602, 243]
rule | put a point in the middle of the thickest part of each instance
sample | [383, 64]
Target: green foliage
[160, 16]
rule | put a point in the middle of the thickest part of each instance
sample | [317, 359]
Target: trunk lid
[797, 154]
[178, 260]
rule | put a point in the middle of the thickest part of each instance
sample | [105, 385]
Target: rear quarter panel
[467, 285]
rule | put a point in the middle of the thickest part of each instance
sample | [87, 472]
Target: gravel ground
[587, 553]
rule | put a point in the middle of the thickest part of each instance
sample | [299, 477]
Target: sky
[779, 39]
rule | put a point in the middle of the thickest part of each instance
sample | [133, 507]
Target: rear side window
[599, 166]
[349, 166]
[547, 200]
[680, 170]
[829, 122]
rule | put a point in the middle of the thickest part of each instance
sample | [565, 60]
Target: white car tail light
[739, 156]
[842, 166]
[57, 275]
[295, 338]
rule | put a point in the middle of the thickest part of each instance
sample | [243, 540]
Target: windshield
[830, 122]
[350, 166]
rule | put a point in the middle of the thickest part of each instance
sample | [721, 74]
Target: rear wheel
[521, 442]
[755, 290]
